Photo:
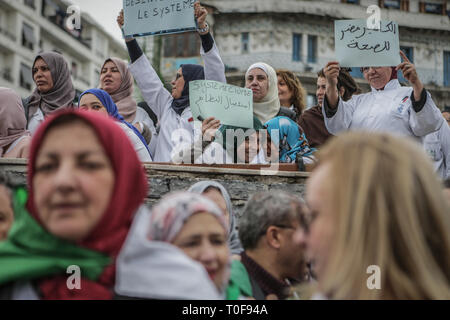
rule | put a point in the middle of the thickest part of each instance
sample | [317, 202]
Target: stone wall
[241, 183]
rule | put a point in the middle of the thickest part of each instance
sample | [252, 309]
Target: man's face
[320, 91]
[292, 253]
[446, 117]
[377, 77]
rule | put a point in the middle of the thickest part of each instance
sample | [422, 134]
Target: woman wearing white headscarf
[205, 188]
[262, 80]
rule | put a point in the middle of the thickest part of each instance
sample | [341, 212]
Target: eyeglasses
[178, 76]
[366, 69]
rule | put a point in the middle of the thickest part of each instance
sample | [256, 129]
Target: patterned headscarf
[233, 237]
[173, 211]
[289, 139]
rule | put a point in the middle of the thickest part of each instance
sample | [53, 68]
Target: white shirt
[143, 117]
[174, 128]
[437, 145]
[36, 119]
[138, 145]
[389, 110]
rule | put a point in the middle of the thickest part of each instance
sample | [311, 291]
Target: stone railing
[241, 180]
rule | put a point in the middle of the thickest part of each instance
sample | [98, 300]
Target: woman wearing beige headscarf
[14, 138]
[54, 88]
[117, 81]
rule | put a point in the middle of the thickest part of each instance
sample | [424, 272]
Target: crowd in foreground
[374, 197]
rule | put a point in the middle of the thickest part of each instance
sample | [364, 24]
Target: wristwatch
[204, 30]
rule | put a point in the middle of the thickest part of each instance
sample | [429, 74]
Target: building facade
[299, 36]
[28, 27]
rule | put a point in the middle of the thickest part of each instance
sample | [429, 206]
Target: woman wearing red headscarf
[389, 107]
[83, 194]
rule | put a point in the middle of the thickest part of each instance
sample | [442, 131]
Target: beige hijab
[12, 119]
[123, 97]
[269, 107]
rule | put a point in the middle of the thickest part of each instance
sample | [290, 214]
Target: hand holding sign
[331, 72]
[200, 14]
[158, 17]
[358, 46]
[229, 104]
[209, 128]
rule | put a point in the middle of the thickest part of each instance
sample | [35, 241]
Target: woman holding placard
[387, 108]
[172, 109]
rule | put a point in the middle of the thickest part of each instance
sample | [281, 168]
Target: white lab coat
[437, 145]
[174, 128]
[138, 145]
[389, 110]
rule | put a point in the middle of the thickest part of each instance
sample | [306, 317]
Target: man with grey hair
[272, 232]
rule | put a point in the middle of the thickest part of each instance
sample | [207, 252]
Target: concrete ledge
[241, 182]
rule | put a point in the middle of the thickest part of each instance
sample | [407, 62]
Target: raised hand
[408, 69]
[331, 72]
[200, 14]
[209, 127]
[120, 19]
[409, 73]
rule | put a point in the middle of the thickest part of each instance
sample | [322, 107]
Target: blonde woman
[379, 221]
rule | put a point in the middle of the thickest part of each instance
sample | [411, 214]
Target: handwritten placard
[358, 46]
[149, 17]
[230, 104]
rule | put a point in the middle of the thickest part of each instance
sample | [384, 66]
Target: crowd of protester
[379, 194]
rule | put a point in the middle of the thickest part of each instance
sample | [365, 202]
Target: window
[312, 49]
[297, 47]
[28, 39]
[350, 1]
[311, 100]
[245, 42]
[26, 78]
[74, 70]
[30, 3]
[181, 45]
[433, 7]
[447, 68]
[409, 52]
[395, 4]
[356, 73]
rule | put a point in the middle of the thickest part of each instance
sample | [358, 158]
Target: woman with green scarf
[71, 225]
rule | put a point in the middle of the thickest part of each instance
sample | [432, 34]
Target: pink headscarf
[172, 212]
[122, 97]
[12, 118]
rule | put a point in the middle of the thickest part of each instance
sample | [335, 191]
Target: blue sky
[104, 11]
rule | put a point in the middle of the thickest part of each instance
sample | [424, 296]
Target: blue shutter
[447, 68]
[408, 51]
[296, 47]
[312, 49]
